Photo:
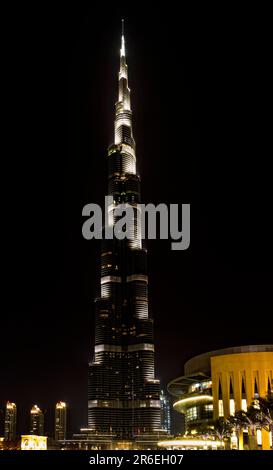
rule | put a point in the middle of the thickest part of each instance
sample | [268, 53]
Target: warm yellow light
[31, 442]
[244, 404]
[220, 409]
[231, 407]
[10, 405]
[259, 437]
[189, 400]
[188, 442]
[61, 405]
[35, 409]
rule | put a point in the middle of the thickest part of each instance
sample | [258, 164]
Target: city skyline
[52, 270]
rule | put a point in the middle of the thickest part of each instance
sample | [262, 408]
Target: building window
[191, 414]
[231, 407]
[244, 404]
[220, 408]
[259, 437]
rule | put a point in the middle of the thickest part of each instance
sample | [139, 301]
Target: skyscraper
[165, 412]
[36, 421]
[10, 421]
[123, 393]
[60, 421]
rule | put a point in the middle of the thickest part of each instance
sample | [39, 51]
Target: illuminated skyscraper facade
[123, 393]
[60, 421]
[36, 421]
[10, 421]
[165, 412]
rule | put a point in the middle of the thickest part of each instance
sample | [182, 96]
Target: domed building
[219, 383]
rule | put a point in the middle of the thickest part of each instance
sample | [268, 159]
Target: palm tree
[248, 419]
[201, 429]
[221, 430]
[237, 424]
[262, 409]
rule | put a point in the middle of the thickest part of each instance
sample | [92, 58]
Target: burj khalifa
[123, 393]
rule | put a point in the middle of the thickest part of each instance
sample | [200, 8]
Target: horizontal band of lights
[123, 120]
[137, 277]
[130, 347]
[128, 149]
[141, 309]
[123, 404]
[187, 401]
[141, 347]
[122, 148]
[189, 442]
[106, 279]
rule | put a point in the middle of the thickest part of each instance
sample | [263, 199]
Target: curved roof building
[218, 383]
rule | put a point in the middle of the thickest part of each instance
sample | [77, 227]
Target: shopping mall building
[219, 383]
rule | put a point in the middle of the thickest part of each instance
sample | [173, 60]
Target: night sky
[201, 97]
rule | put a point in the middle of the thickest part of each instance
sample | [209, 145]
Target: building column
[265, 440]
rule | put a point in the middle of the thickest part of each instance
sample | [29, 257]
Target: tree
[247, 419]
[221, 429]
[262, 409]
[237, 424]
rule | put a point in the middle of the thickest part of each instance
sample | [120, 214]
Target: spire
[122, 50]
[123, 118]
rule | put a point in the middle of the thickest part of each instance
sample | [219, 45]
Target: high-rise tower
[10, 421]
[123, 394]
[60, 421]
[36, 421]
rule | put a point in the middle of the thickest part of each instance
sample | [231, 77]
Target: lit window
[232, 407]
[244, 404]
[191, 414]
[220, 409]
[259, 437]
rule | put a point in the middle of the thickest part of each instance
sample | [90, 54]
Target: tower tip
[122, 50]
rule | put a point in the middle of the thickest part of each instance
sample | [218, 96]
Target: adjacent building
[31, 442]
[219, 383]
[60, 421]
[165, 412]
[10, 421]
[123, 392]
[36, 421]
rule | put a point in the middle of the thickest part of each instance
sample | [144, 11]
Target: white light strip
[130, 347]
[185, 401]
[188, 442]
[141, 347]
[137, 277]
[122, 50]
[106, 279]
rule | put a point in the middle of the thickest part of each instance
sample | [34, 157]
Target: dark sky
[201, 98]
